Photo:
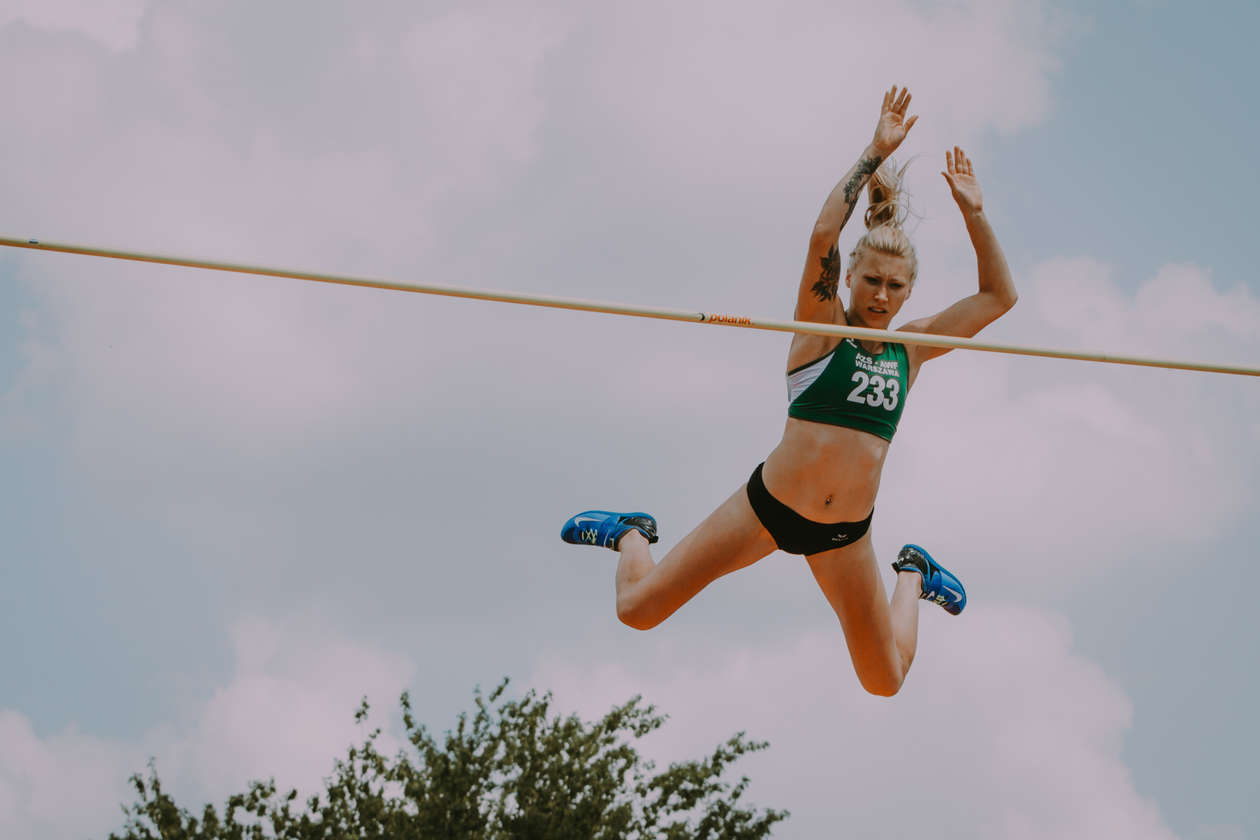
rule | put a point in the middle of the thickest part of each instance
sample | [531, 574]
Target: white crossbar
[626, 309]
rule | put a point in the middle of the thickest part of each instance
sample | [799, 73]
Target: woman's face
[878, 285]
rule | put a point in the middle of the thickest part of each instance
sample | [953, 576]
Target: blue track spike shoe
[939, 586]
[603, 527]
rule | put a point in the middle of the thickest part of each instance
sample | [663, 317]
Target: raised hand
[962, 181]
[893, 125]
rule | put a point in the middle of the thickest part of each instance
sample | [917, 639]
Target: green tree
[511, 769]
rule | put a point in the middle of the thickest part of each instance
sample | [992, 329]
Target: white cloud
[205, 138]
[65, 785]
[998, 711]
[1178, 313]
[115, 23]
[1001, 731]
[1034, 470]
[286, 712]
[708, 93]
[215, 146]
[1182, 300]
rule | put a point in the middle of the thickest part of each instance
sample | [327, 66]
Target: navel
[827, 500]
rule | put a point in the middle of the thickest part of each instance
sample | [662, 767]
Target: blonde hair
[888, 209]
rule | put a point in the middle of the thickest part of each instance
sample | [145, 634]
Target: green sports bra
[853, 388]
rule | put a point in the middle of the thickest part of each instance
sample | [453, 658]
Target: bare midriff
[826, 473]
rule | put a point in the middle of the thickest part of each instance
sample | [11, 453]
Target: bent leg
[730, 538]
[881, 637]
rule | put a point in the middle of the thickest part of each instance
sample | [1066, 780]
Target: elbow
[1002, 300]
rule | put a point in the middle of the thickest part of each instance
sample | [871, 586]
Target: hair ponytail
[889, 208]
[884, 189]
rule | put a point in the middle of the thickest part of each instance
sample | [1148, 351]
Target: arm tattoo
[863, 171]
[828, 283]
[853, 187]
[829, 278]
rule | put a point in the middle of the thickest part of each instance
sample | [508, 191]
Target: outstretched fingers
[893, 124]
[903, 101]
[960, 174]
[957, 163]
[895, 101]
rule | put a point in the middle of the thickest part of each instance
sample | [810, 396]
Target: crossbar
[730, 320]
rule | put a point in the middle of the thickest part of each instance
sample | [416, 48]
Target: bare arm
[996, 290]
[820, 282]
[840, 202]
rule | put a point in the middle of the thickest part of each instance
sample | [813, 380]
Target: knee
[882, 685]
[633, 615]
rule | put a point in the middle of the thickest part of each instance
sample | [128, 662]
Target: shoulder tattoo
[829, 277]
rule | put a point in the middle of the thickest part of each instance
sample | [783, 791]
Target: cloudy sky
[232, 506]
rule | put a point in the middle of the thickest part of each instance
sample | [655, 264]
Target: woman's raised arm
[820, 281]
[996, 293]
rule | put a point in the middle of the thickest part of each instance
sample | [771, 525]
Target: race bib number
[875, 390]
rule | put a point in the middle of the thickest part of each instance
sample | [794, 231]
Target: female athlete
[815, 493]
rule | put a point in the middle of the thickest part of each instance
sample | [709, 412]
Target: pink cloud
[1001, 731]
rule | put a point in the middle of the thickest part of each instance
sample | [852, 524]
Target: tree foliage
[510, 769]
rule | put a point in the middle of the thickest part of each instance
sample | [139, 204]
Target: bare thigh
[849, 578]
[730, 538]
